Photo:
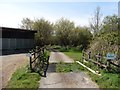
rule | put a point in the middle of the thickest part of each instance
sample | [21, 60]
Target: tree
[110, 23]
[44, 31]
[27, 23]
[63, 29]
[95, 22]
[83, 37]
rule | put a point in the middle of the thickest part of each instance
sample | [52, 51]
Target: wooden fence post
[34, 53]
[83, 56]
[89, 55]
[30, 61]
[108, 64]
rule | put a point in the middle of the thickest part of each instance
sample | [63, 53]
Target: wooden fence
[101, 61]
[39, 60]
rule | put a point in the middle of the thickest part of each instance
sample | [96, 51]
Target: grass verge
[22, 78]
[107, 80]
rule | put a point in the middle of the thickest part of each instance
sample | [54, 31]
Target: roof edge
[9, 28]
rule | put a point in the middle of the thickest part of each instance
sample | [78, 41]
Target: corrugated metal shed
[17, 39]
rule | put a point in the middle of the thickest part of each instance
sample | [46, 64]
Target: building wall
[13, 43]
[0, 45]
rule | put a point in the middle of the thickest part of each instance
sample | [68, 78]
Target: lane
[64, 80]
[56, 57]
[67, 80]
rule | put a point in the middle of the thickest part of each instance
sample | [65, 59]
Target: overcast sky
[11, 13]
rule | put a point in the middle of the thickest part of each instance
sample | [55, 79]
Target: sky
[11, 13]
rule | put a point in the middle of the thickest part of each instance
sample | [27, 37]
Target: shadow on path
[52, 67]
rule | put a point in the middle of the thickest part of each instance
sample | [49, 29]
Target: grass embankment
[106, 80]
[23, 78]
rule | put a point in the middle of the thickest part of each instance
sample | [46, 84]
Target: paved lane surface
[65, 80]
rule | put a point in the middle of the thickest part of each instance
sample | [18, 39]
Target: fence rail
[101, 61]
[39, 60]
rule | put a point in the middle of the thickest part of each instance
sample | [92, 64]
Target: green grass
[74, 54]
[48, 53]
[107, 80]
[65, 67]
[22, 78]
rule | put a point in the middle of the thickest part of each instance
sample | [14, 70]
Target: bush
[63, 49]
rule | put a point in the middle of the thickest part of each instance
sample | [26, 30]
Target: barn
[14, 39]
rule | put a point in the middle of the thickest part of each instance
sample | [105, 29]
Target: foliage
[108, 38]
[27, 24]
[63, 28]
[66, 34]
[69, 35]
[44, 30]
[110, 23]
[83, 37]
[63, 32]
[63, 49]
[55, 46]
[22, 78]
[111, 38]
[68, 48]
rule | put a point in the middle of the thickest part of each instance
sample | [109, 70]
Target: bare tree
[95, 23]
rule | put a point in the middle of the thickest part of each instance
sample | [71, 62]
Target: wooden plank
[88, 68]
[100, 64]
[114, 64]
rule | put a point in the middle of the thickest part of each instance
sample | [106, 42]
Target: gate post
[30, 61]
[83, 56]
[89, 55]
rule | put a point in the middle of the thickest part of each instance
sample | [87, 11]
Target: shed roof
[16, 29]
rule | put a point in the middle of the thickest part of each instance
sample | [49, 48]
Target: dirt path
[8, 64]
[65, 80]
